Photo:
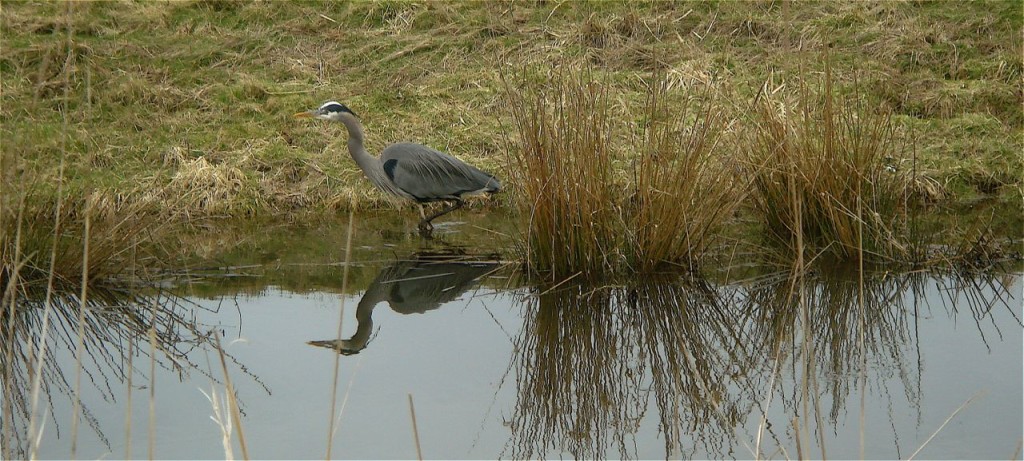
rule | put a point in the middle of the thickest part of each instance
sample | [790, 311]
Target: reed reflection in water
[833, 336]
[763, 369]
[590, 359]
[117, 349]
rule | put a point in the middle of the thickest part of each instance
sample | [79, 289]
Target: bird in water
[410, 171]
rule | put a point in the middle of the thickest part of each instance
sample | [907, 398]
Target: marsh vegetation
[709, 207]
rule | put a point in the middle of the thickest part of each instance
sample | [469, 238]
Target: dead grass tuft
[682, 190]
[562, 160]
[201, 187]
[584, 216]
[818, 163]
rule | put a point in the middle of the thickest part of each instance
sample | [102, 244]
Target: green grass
[154, 87]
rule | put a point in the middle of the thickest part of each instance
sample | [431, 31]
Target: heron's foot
[425, 228]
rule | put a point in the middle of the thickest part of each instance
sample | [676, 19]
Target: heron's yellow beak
[303, 115]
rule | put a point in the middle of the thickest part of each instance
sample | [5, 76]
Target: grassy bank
[183, 107]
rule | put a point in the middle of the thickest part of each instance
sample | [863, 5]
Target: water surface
[771, 366]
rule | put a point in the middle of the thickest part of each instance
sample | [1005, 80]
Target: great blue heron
[410, 171]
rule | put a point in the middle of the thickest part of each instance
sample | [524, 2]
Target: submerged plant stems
[862, 314]
[10, 290]
[128, 401]
[151, 333]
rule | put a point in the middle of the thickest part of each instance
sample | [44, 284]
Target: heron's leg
[425, 223]
[424, 226]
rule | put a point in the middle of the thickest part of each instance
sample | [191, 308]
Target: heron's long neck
[370, 165]
[364, 316]
[362, 158]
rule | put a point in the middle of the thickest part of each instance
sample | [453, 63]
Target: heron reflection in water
[413, 286]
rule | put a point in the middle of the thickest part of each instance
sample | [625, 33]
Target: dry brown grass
[821, 167]
[27, 237]
[683, 192]
[203, 188]
[573, 138]
[562, 160]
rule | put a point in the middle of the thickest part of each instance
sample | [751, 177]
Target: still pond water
[738, 367]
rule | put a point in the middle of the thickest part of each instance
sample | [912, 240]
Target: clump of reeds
[29, 234]
[818, 167]
[571, 159]
[563, 163]
[682, 192]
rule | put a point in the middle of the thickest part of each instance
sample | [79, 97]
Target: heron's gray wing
[426, 286]
[428, 174]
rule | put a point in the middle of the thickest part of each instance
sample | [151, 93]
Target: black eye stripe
[332, 107]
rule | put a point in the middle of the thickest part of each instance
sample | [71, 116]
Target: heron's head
[330, 110]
